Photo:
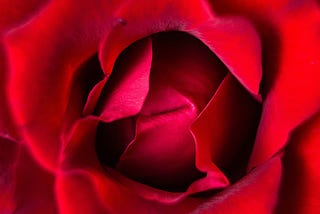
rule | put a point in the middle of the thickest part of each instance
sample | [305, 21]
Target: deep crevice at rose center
[155, 146]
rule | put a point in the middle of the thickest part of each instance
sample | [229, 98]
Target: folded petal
[227, 37]
[300, 188]
[162, 154]
[43, 57]
[257, 192]
[295, 93]
[225, 130]
[88, 76]
[13, 13]
[127, 87]
[83, 186]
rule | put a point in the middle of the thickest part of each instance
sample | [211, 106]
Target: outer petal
[34, 186]
[9, 151]
[12, 13]
[255, 193]
[289, 31]
[226, 37]
[83, 186]
[300, 188]
[295, 93]
[43, 57]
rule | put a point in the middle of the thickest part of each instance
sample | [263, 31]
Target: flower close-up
[166, 106]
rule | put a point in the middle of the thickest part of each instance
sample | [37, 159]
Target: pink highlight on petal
[126, 90]
[181, 63]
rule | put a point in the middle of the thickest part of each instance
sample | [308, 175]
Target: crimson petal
[127, 88]
[184, 75]
[301, 163]
[82, 185]
[224, 36]
[43, 64]
[34, 186]
[225, 130]
[295, 93]
[255, 193]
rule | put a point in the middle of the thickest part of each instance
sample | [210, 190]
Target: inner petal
[162, 154]
[225, 130]
[184, 76]
[127, 88]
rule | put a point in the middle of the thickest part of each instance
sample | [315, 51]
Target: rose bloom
[167, 106]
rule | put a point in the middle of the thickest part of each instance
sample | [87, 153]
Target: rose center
[146, 134]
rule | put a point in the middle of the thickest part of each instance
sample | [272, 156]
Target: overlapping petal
[83, 186]
[300, 182]
[13, 14]
[197, 19]
[9, 151]
[295, 93]
[126, 91]
[255, 193]
[43, 64]
[48, 95]
[33, 190]
[225, 131]
[180, 64]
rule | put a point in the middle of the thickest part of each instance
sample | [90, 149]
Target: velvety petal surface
[9, 151]
[184, 76]
[83, 186]
[300, 182]
[43, 64]
[13, 13]
[255, 193]
[33, 186]
[126, 91]
[289, 32]
[295, 94]
[224, 36]
[225, 130]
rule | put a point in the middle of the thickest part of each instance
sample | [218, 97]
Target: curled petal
[295, 93]
[225, 130]
[184, 75]
[95, 189]
[125, 92]
[225, 37]
[260, 187]
[42, 66]
[301, 162]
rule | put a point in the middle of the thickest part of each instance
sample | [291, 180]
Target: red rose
[159, 107]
